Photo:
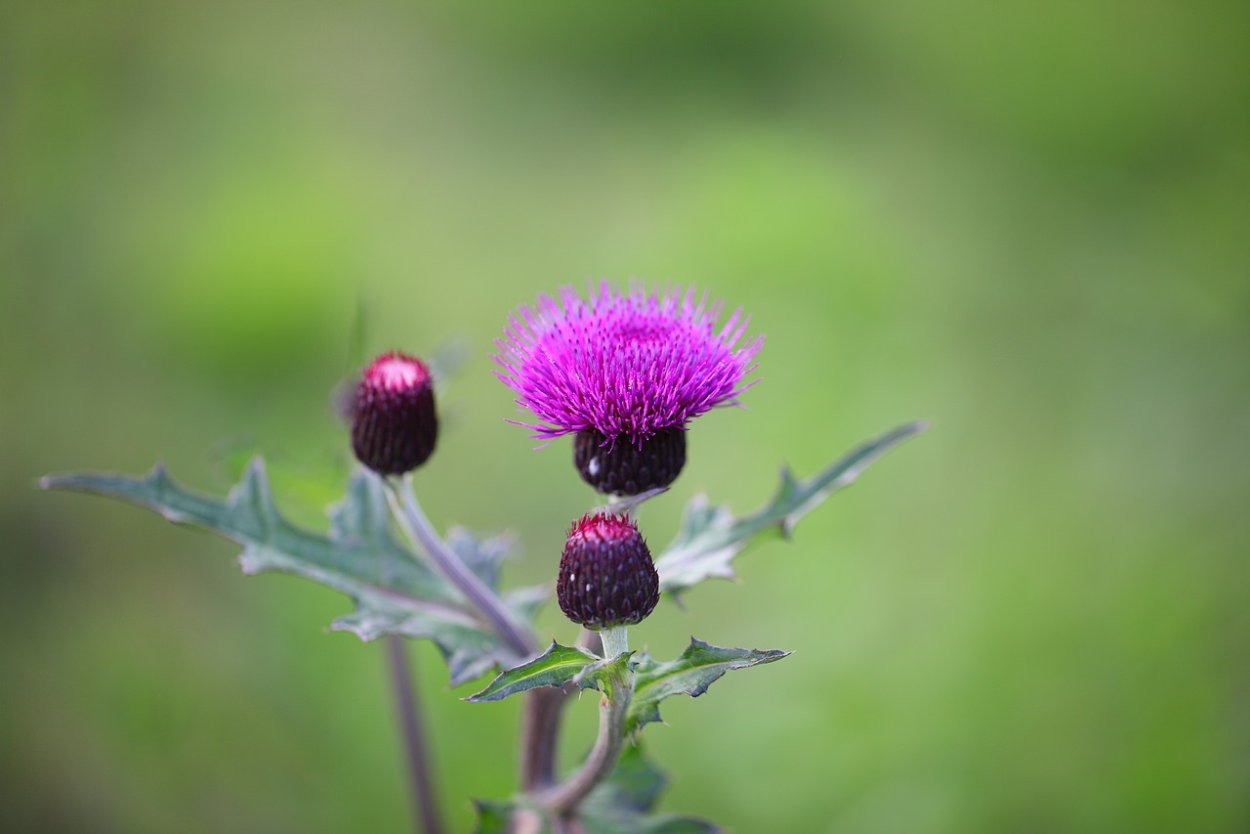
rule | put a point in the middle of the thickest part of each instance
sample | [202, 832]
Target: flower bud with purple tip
[607, 578]
[394, 423]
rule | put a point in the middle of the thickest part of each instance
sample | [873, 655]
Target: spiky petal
[626, 365]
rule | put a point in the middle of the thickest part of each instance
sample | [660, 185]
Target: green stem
[413, 519]
[540, 725]
[416, 748]
[563, 799]
[615, 641]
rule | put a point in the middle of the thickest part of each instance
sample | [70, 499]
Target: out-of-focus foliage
[711, 537]
[1026, 224]
[394, 590]
[622, 804]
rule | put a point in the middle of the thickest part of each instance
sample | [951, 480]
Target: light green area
[1027, 225]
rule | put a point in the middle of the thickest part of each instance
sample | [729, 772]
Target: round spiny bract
[394, 423]
[623, 467]
[607, 578]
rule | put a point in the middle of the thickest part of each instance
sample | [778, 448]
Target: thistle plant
[626, 373]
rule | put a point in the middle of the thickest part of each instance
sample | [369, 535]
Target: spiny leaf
[394, 592]
[711, 536]
[697, 668]
[555, 667]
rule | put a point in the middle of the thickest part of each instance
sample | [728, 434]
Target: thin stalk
[564, 798]
[540, 735]
[426, 813]
[540, 726]
[630, 505]
[615, 641]
[480, 596]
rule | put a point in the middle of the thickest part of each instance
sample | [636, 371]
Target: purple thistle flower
[637, 366]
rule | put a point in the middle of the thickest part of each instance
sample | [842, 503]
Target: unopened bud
[394, 424]
[606, 577]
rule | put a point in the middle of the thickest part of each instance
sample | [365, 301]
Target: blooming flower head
[624, 368]
[623, 364]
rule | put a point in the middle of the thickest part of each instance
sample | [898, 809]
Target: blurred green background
[1027, 223]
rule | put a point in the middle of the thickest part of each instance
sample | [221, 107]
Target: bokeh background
[1025, 222]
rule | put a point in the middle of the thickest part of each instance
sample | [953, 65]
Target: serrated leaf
[697, 668]
[482, 554]
[361, 521]
[711, 537]
[527, 601]
[394, 592]
[555, 667]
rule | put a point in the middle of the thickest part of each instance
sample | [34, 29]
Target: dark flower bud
[621, 466]
[394, 425]
[606, 578]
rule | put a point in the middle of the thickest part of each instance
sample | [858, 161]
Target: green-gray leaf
[555, 667]
[697, 668]
[482, 555]
[361, 524]
[635, 784]
[711, 537]
[394, 592]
